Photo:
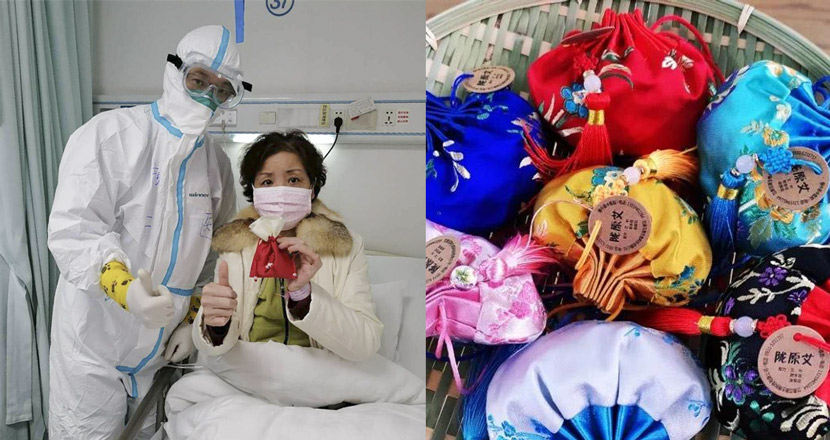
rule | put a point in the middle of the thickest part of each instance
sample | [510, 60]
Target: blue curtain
[45, 94]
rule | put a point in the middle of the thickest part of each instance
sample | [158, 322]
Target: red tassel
[594, 146]
[547, 165]
[681, 321]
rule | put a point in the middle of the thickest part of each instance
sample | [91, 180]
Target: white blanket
[269, 390]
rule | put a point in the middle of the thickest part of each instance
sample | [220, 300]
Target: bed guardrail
[156, 395]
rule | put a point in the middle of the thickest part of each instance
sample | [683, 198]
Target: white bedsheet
[269, 390]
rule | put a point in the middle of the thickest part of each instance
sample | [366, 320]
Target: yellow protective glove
[195, 304]
[115, 280]
[154, 307]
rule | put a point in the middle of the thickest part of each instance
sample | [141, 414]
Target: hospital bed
[397, 286]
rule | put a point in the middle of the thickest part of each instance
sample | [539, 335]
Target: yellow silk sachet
[666, 271]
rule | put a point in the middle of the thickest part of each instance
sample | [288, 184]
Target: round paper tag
[490, 79]
[626, 225]
[792, 369]
[801, 188]
[442, 253]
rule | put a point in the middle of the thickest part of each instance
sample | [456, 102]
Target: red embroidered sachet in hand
[272, 262]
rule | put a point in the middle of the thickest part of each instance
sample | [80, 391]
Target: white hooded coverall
[143, 186]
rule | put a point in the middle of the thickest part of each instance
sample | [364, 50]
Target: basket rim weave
[782, 37]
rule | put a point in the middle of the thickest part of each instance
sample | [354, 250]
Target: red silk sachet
[272, 262]
[657, 83]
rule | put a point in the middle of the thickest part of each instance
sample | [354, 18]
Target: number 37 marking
[279, 7]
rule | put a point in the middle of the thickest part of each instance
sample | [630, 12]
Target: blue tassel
[474, 420]
[722, 218]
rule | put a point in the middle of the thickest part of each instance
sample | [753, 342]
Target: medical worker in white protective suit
[139, 194]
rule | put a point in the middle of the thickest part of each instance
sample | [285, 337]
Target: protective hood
[210, 45]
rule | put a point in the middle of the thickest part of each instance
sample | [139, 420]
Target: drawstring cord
[707, 54]
[448, 113]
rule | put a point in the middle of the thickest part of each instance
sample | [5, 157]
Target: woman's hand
[218, 299]
[307, 261]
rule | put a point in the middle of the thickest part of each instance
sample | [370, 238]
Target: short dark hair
[269, 144]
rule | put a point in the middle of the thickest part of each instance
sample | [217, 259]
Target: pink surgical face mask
[290, 204]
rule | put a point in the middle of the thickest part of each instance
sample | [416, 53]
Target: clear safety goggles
[201, 81]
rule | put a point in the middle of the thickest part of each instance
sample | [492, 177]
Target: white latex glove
[154, 307]
[180, 345]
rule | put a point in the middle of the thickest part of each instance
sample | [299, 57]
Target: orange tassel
[669, 165]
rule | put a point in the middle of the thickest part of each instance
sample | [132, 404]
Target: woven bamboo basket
[516, 32]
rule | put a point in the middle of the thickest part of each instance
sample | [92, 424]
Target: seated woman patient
[323, 300]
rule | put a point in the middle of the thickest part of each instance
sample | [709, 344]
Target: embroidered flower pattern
[431, 172]
[521, 306]
[605, 175]
[606, 182]
[783, 112]
[772, 276]
[697, 405]
[574, 97]
[506, 431]
[684, 283]
[458, 169]
[798, 297]
[602, 192]
[761, 220]
[773, 137]
[739, 382]
[774, 68]
[633, 331]
[669, 62]
[686, 211]
[487, 109]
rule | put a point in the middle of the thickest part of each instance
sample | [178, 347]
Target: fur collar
[323, 230]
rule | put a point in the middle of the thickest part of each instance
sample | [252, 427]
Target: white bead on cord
[743, 326]
[745, 164]
[632, 175]
[591, 82]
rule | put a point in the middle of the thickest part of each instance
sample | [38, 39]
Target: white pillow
[388, 299]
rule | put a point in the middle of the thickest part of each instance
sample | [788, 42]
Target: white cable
[746, 12]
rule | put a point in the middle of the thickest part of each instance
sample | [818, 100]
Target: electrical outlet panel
[228, 117]
[397, 119]
[389, 118]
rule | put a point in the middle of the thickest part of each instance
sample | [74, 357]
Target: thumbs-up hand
[218, 299]
[154, 307]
